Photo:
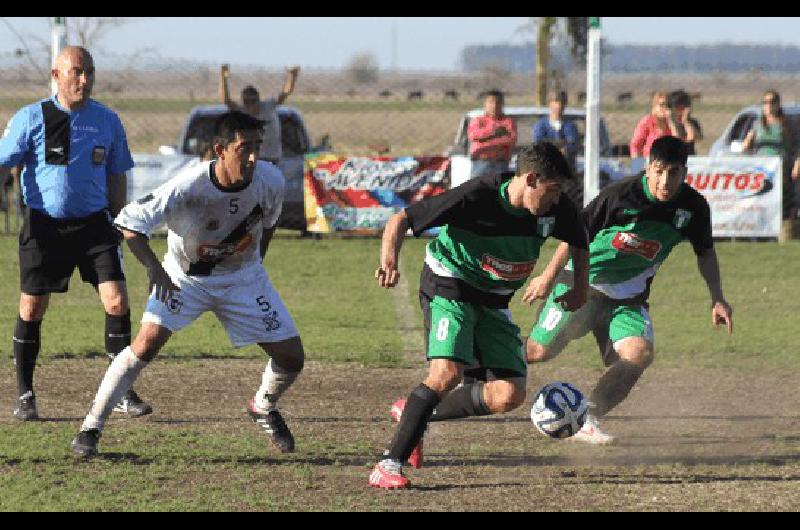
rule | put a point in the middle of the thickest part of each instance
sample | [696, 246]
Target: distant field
[355, 124]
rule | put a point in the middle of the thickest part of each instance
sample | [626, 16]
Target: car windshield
[201, 132]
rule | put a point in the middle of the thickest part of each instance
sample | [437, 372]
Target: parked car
[614, 161]
[730, 141]
[198, 129]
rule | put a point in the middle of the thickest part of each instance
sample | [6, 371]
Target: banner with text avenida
[359, 195]
[744, 193]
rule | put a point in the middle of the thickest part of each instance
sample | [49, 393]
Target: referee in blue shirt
[75, 155]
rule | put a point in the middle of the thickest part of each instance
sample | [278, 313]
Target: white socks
[121, 374]
[274, 383]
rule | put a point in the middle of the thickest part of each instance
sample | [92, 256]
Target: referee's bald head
[70, 54]
[73, 73]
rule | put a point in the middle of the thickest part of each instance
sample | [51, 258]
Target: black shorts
[50, 249]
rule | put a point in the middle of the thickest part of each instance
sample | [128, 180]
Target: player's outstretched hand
[538, 289]
[722, 313]
[387, 276]
[572, 300]
[161, 282]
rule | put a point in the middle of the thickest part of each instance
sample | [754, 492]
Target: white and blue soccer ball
[559, 410]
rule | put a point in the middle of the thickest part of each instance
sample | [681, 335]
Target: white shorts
[245, 302]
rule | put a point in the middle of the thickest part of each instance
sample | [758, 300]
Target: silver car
[731, 140]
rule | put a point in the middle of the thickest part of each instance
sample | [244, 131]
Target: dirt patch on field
[705, 439]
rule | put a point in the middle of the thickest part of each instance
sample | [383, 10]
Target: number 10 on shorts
[552, 319]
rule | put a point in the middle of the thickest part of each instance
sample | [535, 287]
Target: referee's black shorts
[50, 249]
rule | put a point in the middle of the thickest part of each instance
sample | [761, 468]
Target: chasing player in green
[632, 225]
[493, 228]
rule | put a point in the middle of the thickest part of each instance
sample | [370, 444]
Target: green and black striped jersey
[631, 234]
[485, 241]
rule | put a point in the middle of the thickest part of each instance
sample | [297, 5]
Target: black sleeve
[699, 230]
[438, 210]
[569, 226]
[595, 215]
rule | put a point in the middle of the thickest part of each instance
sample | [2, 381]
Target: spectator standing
[771, 136]
[492, 137]
[265, 110]
[687, 127]
[75, 155]
[653, 126]
[557, 129]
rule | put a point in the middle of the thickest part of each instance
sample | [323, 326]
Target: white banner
[745, 193]
[150, 171]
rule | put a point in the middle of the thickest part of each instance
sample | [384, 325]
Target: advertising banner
[744, 192]
[150, 171]
[360, 194]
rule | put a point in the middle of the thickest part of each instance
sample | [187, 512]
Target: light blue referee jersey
[67, 156]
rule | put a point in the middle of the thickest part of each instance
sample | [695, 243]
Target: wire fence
[392, 113]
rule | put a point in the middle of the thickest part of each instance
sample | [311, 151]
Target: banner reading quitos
[360, 194]
[744, 193]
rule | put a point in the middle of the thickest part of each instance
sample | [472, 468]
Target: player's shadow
[691, 439]
[470, 486]
[59, 420]
[345, 460]
[495, 460]
[689, 417]
[593, 459]
[237, 419]
[117, 458]
[651, 478]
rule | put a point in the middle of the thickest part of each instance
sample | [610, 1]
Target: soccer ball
[559, 410]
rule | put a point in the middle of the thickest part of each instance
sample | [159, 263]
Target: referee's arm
[117, 186]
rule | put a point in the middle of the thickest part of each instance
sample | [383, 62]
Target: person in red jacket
[492, 137]
[653, 126]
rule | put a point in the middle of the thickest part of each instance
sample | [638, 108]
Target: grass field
[713, 425]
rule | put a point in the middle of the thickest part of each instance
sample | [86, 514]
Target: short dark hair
[235, 121]
[250, 90]
[495, 93]
[558, 95]
[679, 98]
[546, 160]
[669, 150]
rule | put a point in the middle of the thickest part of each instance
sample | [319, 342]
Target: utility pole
[591, 158]
[58, 40]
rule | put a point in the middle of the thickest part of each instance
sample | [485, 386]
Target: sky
[422, 43]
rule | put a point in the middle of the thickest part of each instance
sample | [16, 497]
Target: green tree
[573, 29]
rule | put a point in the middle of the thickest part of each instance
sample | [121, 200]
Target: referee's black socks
[118, 333]
[26, 349]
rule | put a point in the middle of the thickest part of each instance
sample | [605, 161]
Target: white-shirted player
[220, 217]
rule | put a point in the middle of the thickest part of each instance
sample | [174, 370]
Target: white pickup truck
[150, 170]
[611, 167]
